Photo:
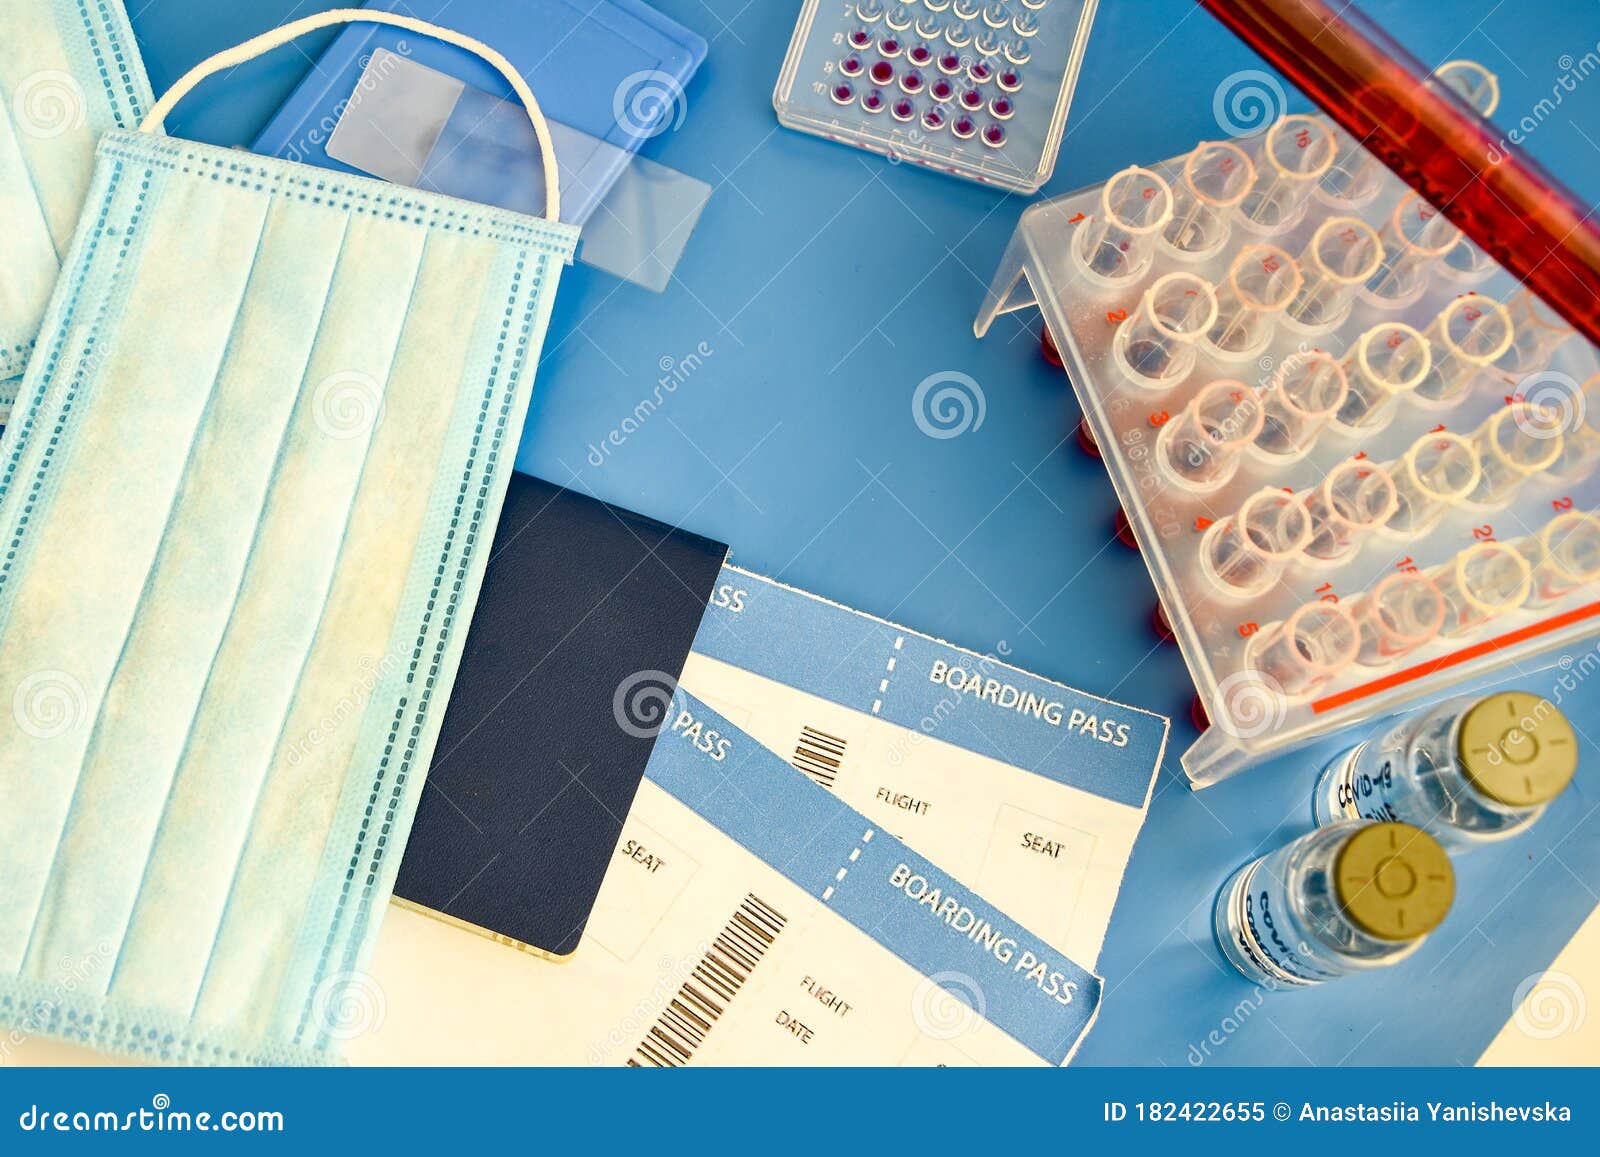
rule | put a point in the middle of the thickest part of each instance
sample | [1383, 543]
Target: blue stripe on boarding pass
[973, 701]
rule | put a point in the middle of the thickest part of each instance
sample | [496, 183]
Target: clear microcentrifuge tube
[1354, 500]
[1118, 242]
[1305, 394]
[1354, 177]
[1156, 346]
[1200, 448]
[1403, 612]
[1261, 283]
[1414, 238]
[1305, 650]
[1386, 362]
[1470, 333]
[1518, 440]
[1565, 556]
[1466, 263]
[1472, 82]
[1297, 152]
[1216, 176]
[1436, 474]
[1538, 333]
[1341, 255]
[1483, 582]
[1245, 552]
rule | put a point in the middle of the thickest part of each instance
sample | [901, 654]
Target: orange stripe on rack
[1455, 658]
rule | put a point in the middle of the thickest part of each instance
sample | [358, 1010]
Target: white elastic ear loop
[267, 41]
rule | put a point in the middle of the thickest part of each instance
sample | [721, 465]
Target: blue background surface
[827, 283]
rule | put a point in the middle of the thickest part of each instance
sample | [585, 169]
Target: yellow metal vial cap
[1394, 881]
[1518, 749]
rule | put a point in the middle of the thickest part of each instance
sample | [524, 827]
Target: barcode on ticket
[819, 755]
[701, 1000]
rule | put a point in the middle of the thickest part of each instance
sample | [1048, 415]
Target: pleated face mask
[246, 499]
[69, 71]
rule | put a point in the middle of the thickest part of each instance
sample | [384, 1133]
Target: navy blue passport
[587, 613]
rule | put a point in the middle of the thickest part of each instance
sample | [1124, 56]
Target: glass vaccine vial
[1340, 900]
[1468, 771]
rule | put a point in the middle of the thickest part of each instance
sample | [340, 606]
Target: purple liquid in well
[911, 82]
[882, 73]
[972, 99]
[842, 93]
[943, 90]
[994, 134]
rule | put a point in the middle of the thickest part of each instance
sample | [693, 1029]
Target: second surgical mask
[69, 70]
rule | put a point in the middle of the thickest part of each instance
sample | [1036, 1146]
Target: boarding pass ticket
[1031, 791]
[749, 917]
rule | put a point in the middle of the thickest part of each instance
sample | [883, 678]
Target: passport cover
[583, 626]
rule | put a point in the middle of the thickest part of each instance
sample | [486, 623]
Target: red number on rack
[1325, 593]
[1116, 316]
[1407, 564]
[1248, 629]
[1160, 418]
[1076, 217]
[1484, 533]
[1202, 523]
[1562, 505]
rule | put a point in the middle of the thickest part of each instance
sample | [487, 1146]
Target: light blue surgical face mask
[69, 71]
[245, 502]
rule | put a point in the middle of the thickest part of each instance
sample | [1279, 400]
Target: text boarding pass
[749, 917]
[1030, 790]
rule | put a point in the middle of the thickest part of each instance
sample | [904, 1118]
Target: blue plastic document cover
[619, 74]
